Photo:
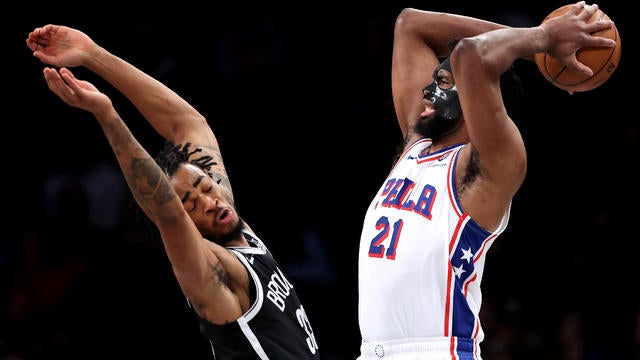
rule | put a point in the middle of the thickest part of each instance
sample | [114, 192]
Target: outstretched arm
[169, 114]
[478, 63]
[420, 38]
[145, 179]
[191, 262]
[497, 147]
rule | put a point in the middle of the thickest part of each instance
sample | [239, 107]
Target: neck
[237, 243]
[458, 137]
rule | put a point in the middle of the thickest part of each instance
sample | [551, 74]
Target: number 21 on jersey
[385, 229]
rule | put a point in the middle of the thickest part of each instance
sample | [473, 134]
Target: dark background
[299, 97]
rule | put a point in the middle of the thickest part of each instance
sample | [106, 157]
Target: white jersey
[421, 256]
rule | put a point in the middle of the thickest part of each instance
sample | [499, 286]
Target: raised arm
[478, 63]
[420, 38]
[192, 258]
[145, 179]
[169, 114]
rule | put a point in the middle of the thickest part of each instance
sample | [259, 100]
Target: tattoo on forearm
[150, 182]
[146, 180]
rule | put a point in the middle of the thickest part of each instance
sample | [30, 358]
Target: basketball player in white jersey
[447, 197]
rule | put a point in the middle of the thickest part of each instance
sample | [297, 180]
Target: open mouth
[223, 214]
[428, 108]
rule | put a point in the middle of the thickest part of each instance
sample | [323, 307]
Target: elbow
[181, 130]
[167, 214]
[414, 21]
[171, 215]
[412, 18]
[433, 28]
[467, 51]
[404, 22]
[472, 53]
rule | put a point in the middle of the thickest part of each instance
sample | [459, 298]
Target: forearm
[147, 182]
[155, 196]
[165, 110]
[420, 38]
[497, 50]
[436, 29]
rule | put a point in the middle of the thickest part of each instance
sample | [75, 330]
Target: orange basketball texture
[603, 61]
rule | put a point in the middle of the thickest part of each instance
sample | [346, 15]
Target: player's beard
[448, 112]
[234, 234]
[437, 127]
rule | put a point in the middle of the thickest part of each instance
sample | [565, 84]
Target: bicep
[491, 131]
[413, 62]
[477, 75]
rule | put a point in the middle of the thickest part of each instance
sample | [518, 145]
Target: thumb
[573, 63]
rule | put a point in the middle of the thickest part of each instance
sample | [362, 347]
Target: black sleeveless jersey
[275, 327]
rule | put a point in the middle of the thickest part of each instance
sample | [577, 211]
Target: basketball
[602, 61]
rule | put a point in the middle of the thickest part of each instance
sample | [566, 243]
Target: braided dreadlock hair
[173, 155]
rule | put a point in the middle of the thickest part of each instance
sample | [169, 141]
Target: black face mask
[446, 104]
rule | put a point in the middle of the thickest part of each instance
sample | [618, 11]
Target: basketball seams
[602, 61]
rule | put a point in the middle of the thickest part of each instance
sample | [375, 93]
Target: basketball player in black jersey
[247, 307]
